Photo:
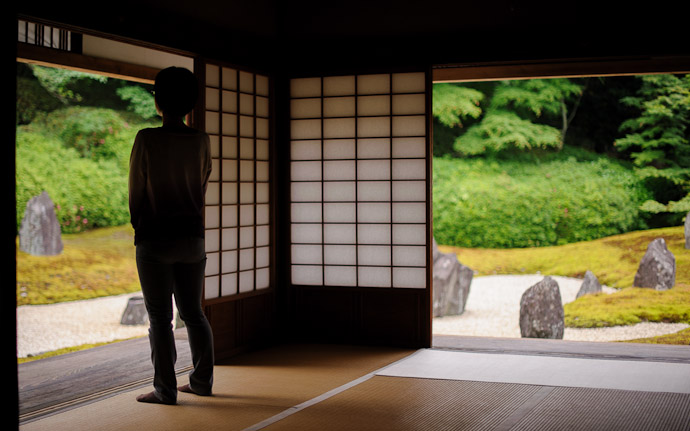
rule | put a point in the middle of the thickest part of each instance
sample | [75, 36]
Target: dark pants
[175, 267]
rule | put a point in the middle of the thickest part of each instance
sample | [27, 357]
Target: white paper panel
[262, 107]
[409, 147]
[212, 264]
[305, 150]
[306, 233]
[307, 254]
[212, 99]
[215, 146]
[229, 147]
[305, 108]
[229, 124]
[262, 235]
[412, 169]
[229, 261]
[339, 170]
[409, 212]
[229, 194]
[262, 257]
[215, 170]
[374, 212]
[409, 256]
[212, 124]
[339, 212]
[339, 233]
[339, 149]
[413, 82]
[261, 149]
[373, 191]
[229, 238]
[305, 171]
[262, 195]
[262, 214]
[212, 194]
[246, 82]
[230, 101]
[211, 287]
[246, 259]
[373, 170]
[374, 255]
[246, 126]
[246, 148]
[414, 278]
[262, 171]
[409, 234]
[307, 275]
[338, 85]
[246, 215]
[305, 87]
[410, 125]
[229, 284]
[246, 104]
[373, 127]
[409, 191]
[262, 85]
[305, 129]
[373, 105]
[373, 84]
[340, 254]
[305, 212]
[339, 191]
[338, 127]
[229, 77]
[246, 193]
[339, 107]
[262, 278]
[246, 237]
[374, 276]
[246, 281]
[406, 104]
[374, 233]
[229, 170]
[212, 242]
[379, 148]
[262, 128]
[230, 217]
[340, 276]
[211, 217]
[212, 75]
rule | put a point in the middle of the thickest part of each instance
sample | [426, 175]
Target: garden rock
[541, 311]
[451, 284]
[590, 285]
[39, 234]
[135, 312]
[657, 268]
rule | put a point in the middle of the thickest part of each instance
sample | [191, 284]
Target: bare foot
[151, 398]
[188, 389]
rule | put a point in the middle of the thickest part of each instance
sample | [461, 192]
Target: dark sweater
[168, 175]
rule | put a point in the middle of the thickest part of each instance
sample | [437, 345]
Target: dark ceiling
[357, 33]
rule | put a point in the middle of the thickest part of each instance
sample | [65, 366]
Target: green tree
[658, 140]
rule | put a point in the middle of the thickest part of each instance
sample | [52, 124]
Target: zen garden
[576, 189]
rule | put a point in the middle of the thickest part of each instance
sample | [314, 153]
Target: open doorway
[556, 177]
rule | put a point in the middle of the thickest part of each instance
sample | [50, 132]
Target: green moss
[64, 351]
[93, 264]
[679, 338]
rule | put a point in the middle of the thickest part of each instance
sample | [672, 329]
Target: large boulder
[657, 268]
[39, 233]
[590, 285]
[451, 286]
[541, 311]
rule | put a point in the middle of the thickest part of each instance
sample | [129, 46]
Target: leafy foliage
[658, 140]
[556, 199]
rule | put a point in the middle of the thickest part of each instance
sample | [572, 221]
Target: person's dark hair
[176, 91]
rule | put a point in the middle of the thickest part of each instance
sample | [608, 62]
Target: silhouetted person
[168, 174]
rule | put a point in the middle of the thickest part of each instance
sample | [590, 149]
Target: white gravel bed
[493, 310]
[43, 328]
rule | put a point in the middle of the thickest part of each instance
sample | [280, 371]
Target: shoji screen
[238, 199]
[359, 181]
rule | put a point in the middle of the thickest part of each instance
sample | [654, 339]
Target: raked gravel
[492, 310]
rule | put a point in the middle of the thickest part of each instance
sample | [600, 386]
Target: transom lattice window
[359, 180]
[238, 199]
